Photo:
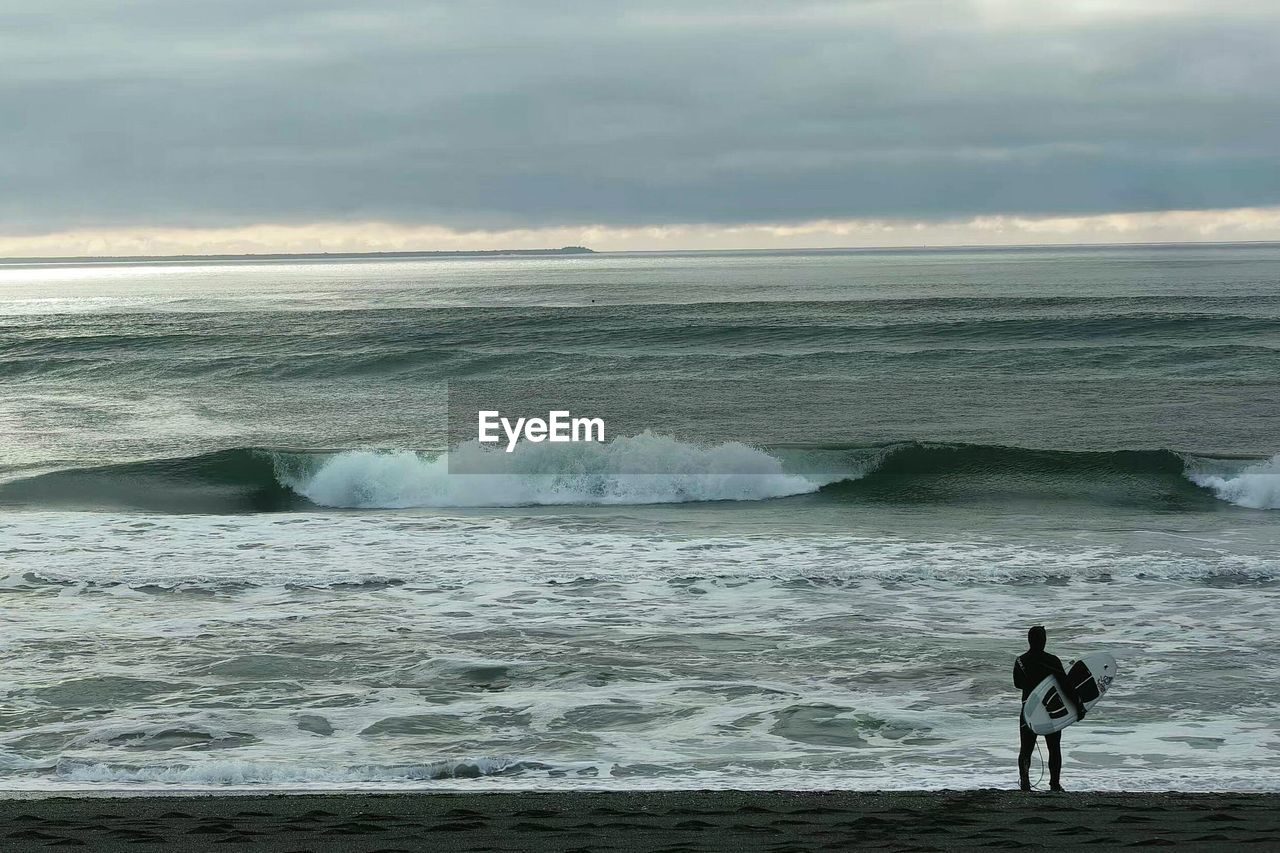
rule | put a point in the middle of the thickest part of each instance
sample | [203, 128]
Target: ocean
[235, 551]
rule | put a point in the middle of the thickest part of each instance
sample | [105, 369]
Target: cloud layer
[496, 116]
[1240, 224]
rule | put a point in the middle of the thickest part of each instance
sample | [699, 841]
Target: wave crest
[1255, 486]
[618, 472]
[654, 469]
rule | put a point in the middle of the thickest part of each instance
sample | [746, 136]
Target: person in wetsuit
[1031, 668]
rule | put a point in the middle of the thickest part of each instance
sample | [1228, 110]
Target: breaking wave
[654, 469]
[1255, 486]
[642, 469]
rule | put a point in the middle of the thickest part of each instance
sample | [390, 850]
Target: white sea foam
[640, 469]
[127, 554]
[1256, 486]
[581, 650]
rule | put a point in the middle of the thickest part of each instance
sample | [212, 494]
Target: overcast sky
[492, 120]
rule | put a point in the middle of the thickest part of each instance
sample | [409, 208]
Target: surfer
[1031, 668]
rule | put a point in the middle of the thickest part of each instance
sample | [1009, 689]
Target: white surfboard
[1047, 710]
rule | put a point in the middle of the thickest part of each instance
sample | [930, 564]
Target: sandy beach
[677, 820]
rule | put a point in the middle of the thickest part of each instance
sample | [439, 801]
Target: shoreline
[639, 820]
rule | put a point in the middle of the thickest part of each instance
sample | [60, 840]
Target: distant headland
[290, 256]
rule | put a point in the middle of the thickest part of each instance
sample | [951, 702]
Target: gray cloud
[505, 114]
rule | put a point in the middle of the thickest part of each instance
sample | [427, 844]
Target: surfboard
[1047, 710]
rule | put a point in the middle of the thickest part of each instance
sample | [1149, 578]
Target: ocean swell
[655, 469]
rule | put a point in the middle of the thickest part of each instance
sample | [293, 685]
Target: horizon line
[580, 251]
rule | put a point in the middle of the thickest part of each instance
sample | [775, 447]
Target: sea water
[234, 551]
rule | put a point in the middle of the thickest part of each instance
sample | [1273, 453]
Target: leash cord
[1035, 786]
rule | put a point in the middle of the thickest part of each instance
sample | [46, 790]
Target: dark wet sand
[670, 821]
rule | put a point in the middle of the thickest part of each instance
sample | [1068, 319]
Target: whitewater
[622, 471]
[241, 549]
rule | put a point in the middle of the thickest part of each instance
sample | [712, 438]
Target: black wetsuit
[1031, 668]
